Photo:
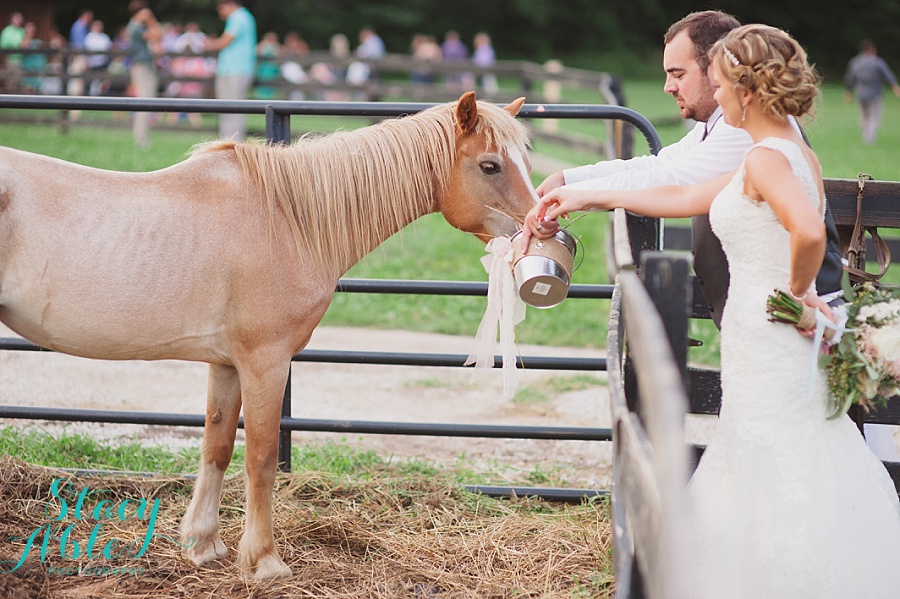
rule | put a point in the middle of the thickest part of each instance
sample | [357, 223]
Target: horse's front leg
[262, 392]
[200, 528]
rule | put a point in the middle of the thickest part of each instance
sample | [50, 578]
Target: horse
[231, 257]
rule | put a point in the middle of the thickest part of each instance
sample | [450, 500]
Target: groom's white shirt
[684, 162]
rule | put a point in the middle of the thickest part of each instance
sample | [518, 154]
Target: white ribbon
[504, 307]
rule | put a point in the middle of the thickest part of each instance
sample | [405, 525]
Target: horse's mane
[340, 193]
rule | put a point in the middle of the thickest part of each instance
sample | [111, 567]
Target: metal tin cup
[544, 272]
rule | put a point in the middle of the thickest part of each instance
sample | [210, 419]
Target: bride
[786, 503]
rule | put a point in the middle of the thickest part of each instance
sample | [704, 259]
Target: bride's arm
[667, 201]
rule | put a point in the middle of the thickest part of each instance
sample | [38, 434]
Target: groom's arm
[686, 162]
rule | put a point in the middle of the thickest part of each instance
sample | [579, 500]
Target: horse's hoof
[210, 551]
[270, 567]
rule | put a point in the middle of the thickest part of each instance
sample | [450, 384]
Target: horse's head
[489, 191]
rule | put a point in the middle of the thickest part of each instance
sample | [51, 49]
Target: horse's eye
[489, 167]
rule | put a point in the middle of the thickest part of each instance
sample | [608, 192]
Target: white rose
[885, 311]
[879, 313]
[886, 341]
[864, 313]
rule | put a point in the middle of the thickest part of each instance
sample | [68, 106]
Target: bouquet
[863, 365]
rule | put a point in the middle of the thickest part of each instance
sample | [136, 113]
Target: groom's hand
[555, 180]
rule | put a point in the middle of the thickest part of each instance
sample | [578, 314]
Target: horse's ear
[466, 113]
[515, 106]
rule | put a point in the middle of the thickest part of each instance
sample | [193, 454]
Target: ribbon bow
[504, 308]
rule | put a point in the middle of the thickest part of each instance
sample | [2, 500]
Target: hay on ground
[388, 536]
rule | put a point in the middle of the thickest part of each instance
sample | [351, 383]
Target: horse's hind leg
[200, 528]
[262, 389]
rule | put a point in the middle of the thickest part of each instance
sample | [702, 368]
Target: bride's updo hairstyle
[771, 64]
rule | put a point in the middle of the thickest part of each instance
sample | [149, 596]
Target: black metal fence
[278, 115]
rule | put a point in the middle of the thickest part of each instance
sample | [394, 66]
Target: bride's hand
[562, 200]
[541, 221]
[814, 301]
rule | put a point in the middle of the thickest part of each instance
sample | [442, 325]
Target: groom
[710, 149]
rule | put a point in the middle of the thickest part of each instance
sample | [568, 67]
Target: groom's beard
[703, 108]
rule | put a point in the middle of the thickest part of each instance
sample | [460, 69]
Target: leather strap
[856, 253]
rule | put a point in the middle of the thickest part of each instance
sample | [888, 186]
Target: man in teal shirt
[236, 63]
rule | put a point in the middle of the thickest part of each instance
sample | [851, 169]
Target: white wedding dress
[785, 503]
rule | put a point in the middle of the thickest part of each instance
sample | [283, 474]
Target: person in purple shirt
[454, 50]
[483, 56]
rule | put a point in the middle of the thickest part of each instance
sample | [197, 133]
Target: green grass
[341, 459]
[83, 451]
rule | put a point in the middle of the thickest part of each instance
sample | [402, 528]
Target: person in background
[339, 45]
[143, 30]
[120, 65]
[483, 56]
[12, 36]
[267, 69]
[236, 63]
[51, 83]
[192, 40]
[80, 28]
[190, 43]
[293, 48]
[453, 50]
[97, 40]
[78, 62]
[865, 77]
[370, 45]
[426, 53]
[370, 49]
[33, 64]
[339, 49]
[171, 33]
[165, 47]
[294, 45]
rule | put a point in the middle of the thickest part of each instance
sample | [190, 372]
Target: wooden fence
[648, 401]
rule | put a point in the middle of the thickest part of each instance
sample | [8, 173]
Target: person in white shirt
[97, 40]
[191, 40]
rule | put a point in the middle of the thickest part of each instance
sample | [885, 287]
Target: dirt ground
[350, 392]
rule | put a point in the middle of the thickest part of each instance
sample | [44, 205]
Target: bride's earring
[744, 115]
